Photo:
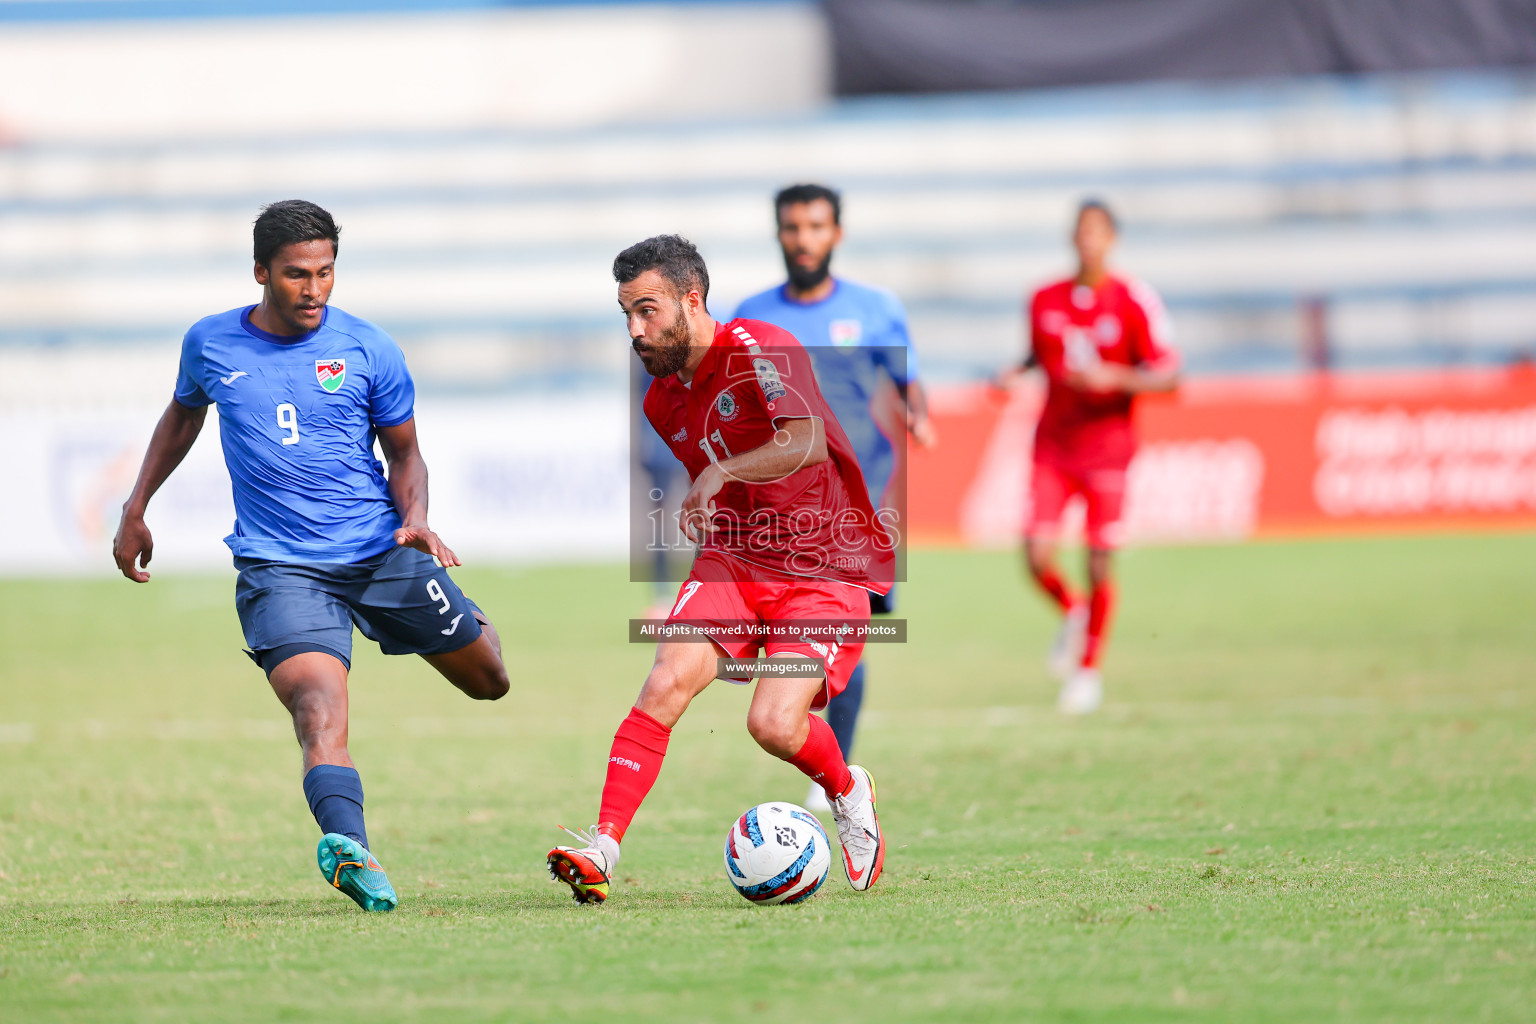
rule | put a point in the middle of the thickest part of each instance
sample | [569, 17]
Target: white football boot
[1067, 648]
[588, 869]
[1082, 693]
[859, 831]
[816, 800]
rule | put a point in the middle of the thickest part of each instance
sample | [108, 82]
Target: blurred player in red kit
[786, 535]
[1102, 339]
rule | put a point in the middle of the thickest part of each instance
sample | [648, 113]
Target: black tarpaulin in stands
[938, 46]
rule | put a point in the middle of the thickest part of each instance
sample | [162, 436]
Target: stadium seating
[1404, 207]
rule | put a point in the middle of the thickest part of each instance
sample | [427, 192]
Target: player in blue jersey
[322, 539]
[857, 338]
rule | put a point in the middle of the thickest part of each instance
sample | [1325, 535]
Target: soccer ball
[777, 853]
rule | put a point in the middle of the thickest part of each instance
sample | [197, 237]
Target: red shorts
[1052, 485]
[734, 606]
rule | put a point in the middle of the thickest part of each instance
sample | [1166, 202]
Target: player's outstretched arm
[1155, 377]
[408, 487]
[918, 423]
[173, 437]
[1006, 378]
[1131, 380]
[798, 443]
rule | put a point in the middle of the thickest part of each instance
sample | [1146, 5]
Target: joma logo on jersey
[330, 373]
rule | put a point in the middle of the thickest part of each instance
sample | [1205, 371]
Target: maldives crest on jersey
[330, 373]
[846, 333]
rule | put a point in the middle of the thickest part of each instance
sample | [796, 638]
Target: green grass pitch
[1311, 796]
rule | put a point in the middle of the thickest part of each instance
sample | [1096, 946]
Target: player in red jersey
[1102, 339]
[786, 536]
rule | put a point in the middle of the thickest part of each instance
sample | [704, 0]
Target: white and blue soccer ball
[777, 853]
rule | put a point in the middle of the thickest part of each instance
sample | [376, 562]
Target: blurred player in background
[857, 338]
[322, 539]
[786, 534]
[1102, 339]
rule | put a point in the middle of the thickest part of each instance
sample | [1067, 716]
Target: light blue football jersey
[297, 418]
[853, 335]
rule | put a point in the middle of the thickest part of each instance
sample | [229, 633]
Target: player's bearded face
[667, 353]
[803, 273]
[808, 233]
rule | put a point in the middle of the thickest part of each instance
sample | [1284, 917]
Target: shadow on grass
[546, 907]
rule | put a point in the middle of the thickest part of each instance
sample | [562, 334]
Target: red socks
[1056, 590]
[633, 764]
[822, 759]
[1101, 602]
[640, 745]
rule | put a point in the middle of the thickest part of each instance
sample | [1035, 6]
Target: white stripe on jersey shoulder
[1158, 322]
[746, 339]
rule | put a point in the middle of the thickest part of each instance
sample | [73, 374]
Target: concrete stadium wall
[468, 69]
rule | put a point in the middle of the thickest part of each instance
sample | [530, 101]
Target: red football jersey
[1072, 327]
[816, 522]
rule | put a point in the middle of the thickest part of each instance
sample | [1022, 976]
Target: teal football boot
[351, 868]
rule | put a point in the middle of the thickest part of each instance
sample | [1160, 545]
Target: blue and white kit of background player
[314, 519]
[855, 336]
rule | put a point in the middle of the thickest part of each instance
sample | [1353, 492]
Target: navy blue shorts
[882, 604]
[403, 600]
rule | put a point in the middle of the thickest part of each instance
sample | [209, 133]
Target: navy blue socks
[335, 796]
[843, 712]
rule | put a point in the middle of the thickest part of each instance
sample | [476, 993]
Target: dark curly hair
[794, 195]
[677, 258]
[1095, 203]
[289, 221]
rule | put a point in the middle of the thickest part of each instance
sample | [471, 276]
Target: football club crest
[725, 405]
[330, 373]
[846, 333]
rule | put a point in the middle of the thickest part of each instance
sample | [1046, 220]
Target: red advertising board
[1237, 457]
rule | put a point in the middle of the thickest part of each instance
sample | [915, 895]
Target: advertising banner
[531, 479]
[905, 46]
[512, 479]
[1233, 458]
